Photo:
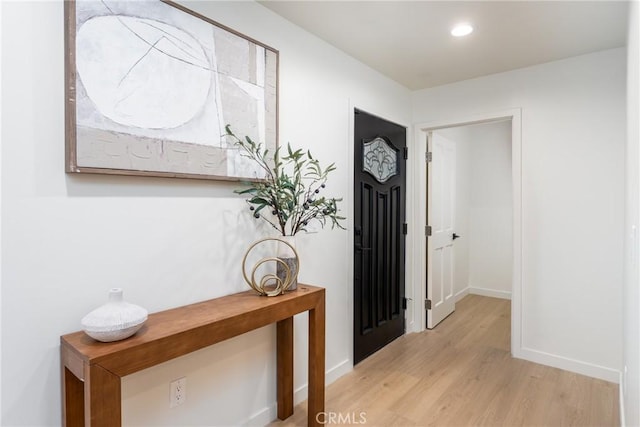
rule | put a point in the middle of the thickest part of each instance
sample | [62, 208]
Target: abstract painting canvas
[151, 85]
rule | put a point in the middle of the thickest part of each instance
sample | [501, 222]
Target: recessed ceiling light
[462, 30]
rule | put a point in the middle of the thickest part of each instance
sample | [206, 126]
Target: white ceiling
[409, 41]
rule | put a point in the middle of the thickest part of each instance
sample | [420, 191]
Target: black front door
[379, 235]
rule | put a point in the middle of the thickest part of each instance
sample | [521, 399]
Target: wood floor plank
[462, 374]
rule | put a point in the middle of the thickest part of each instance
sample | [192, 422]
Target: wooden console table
[91, 370]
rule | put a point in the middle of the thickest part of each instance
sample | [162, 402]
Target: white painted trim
[1, 245]
[1, 413]
[517, 283]
[419, 218]
[469, 290]
[262, 417]
[350, 196]
[490, 293]
[419, 213]
[267, 415]
[461, 294]
[342, 368]
[337, 371]
[572, 365]
[623, 422]
[410, 259]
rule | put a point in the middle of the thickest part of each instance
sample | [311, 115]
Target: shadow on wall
[96, 185]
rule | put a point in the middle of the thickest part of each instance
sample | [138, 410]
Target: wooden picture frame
[151, 85]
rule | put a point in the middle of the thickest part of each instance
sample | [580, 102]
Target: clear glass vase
[290, 258]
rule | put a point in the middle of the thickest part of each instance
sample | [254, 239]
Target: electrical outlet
[178, 392]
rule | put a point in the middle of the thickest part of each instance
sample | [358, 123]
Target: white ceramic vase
[115, 320]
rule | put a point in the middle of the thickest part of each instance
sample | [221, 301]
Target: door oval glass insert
[380, 159]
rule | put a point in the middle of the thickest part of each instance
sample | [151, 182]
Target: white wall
[67, 238]
[491, 210]
[630, 389]
[573, 132]
[461, 252]
[484, 253]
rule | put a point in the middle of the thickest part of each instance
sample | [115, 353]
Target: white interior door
[441, 217]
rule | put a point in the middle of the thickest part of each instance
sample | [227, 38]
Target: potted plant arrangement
[290, 197]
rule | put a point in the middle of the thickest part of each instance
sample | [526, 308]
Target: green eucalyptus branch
[289, 196]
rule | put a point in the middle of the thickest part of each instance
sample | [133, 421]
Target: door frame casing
[419, 192]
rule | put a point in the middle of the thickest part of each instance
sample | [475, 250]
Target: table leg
[315, 407]
[72, 399]
[285, 367]
[102, 398]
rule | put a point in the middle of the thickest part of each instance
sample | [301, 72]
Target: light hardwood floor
[461, 374]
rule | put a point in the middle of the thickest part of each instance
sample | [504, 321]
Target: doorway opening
[492, 273]
[469, 210]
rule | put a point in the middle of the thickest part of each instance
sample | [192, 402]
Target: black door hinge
[406, 152]
[404, 303]
[404, 228]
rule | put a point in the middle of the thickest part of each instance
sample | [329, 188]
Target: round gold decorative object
[270, 284]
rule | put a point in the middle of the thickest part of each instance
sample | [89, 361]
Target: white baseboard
[536, 356]
[621, 400]
[330, 376]
[270, 413]
[263, 417]
[572, 365]
[461, 294]
[490, 293]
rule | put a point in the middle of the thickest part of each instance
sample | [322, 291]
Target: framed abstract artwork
[151, 85]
